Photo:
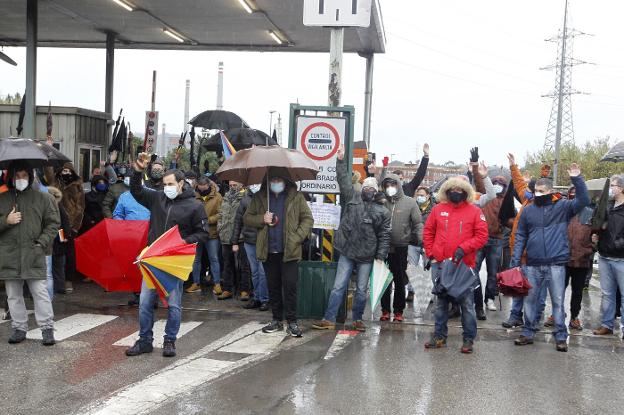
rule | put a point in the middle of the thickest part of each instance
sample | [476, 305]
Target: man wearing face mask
[362, 237]
[406, 224]
[175, 205]
[115, 191]
[156, 173]
[93, 203]
[281, 231]
[543, 232]
[29, 222]
[610, 242]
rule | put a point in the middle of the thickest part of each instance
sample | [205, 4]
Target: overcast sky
[456, 74]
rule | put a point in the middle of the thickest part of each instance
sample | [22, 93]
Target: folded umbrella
[513, 283]
[34, 153]
[380, 279]
[455, 280]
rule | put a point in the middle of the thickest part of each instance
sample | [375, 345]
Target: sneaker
[398, 318]
[48, 337]
[264, 306]
[490, 305]
[550, 322]
[17, 336]
[324, 325]
[169, 349]
[273, 326]
[252, 304]
[385, 316]
[69, 287]
[575, 324]
[217, 289]
[435, 343]
[480, 314]
[511, 323]
[139, 347]
[602, 331]
[467, 347]
[193, 288]
[294, 330]
[523, 341]
[410, 297]
[244, 296]
[359, 325]
[225, 295]
[561, 346]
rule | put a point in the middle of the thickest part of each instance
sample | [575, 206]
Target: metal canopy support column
[110, 75]
[30, 113]
[368, 97]
[335, 66]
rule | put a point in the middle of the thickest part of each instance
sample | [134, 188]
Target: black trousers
[235, 273]
[397, 262]
[282, 283]
[577, 276]
[58, 272]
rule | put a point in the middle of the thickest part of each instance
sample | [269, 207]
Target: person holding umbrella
[175, 205]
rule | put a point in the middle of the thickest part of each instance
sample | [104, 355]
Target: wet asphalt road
[383, 371]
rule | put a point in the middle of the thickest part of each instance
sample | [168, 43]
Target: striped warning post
[328, 235]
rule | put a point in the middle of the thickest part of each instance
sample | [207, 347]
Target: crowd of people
[249, 242]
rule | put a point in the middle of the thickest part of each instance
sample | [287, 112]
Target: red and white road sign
[151, 131]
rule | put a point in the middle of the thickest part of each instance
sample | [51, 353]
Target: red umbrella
[107, 252]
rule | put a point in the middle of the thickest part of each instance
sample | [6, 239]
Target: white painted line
[257, 343]
[28, 313]
[72, 325]
[343, 338]
[159, 332]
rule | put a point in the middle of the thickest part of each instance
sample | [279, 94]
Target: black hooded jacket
[93, 205]
[611, 242]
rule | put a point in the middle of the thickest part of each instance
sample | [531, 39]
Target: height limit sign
[319, 139]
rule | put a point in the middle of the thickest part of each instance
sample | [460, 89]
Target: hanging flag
[228, 148]
[380, 279]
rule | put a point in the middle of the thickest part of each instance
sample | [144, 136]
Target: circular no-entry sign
[320, 141]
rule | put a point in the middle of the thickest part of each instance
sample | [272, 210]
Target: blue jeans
[146, 313]
[341, 283]
[211, 247]
[258, 277]
[611, 277]
[517, 304]
[49, 278]
[468, 314]
[492, 253]
[540, 277]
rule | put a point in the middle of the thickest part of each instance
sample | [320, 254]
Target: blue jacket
[543, 230]
[129, 209]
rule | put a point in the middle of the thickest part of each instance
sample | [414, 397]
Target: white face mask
[127, 181]
[171, 191]
[538, 194]
[421, 199]
[254, 188]
[498, 188]
[391, 191]
[21, 184]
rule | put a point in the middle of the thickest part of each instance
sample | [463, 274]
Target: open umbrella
[34, 153]
[218, 120]
[22, 114]
[106, 253]
[616, 154]
[166, 261]
[240, 138]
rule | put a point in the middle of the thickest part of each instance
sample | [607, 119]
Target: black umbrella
[240, 138]
[4, 57]
[20, 122]
[218, 120]
[616, 154]
[34, 153]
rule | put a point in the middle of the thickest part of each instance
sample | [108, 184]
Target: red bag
[513, 283]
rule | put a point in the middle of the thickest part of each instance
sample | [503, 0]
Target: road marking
[257, 343]
[72, 325]
[342, 340]
[159, 332]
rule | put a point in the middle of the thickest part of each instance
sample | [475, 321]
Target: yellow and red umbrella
[166, 261]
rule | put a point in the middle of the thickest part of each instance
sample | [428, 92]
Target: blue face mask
[277, 187]
[101, 187]
[528, 195]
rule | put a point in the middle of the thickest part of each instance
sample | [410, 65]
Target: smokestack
[279, 129]
[186, 104]
[162, 145]
[220, 87]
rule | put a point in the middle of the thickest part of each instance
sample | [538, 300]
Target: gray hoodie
[406, 222]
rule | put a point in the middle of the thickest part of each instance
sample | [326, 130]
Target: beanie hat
[370, 182]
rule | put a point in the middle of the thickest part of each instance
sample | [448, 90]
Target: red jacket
[450, 226]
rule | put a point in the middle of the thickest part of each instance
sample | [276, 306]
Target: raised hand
[426, 150]
[574, 170]
[483, 169]
[512, 159]
[340, 153]
[141, 163]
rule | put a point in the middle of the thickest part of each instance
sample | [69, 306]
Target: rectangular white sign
[339, 13]
[151, 132]
[326, 215]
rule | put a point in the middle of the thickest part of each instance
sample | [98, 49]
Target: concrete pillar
[30, 113]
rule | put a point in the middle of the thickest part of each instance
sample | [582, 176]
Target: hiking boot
[252, 304]
[550, 322]
[410, 297]
[17, 336]
[264, 306]
[359, 325]
[467, 347]
[561, 346]
[244, 296]
[435, 343]
[217, 289]
[169, 349]
[398, 318]
[193, 288]
[139, 347]
[575, 324]
[385, 316]
[523, 341]
[48, 337]
[480, 314]
[512, 322]
[324, 325]
[602, 331]
[273, 326]
[294, 330]
[225, 295]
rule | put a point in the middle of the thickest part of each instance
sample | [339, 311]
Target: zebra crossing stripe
[159, 332]
[73, 325]
[342, 340]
